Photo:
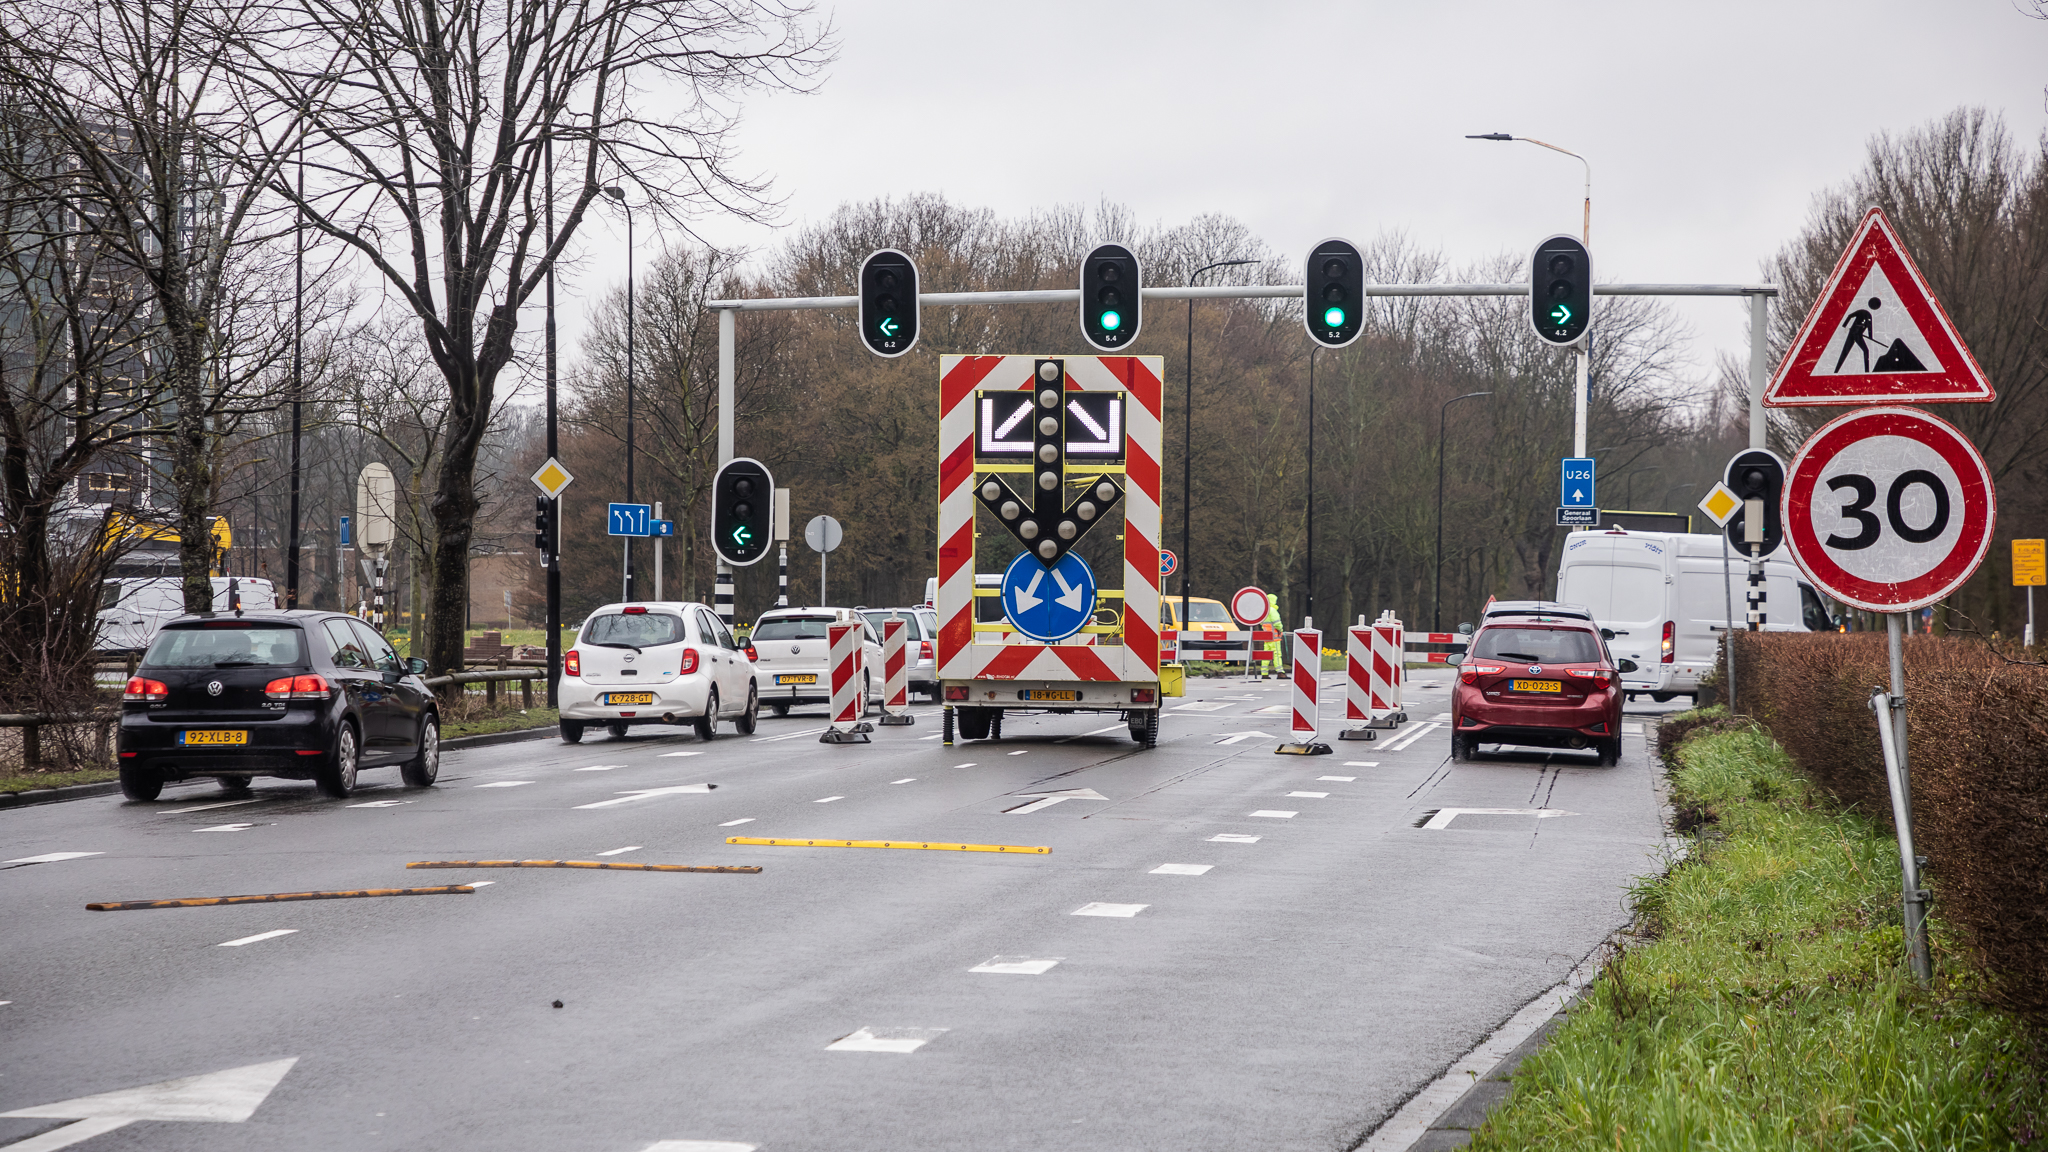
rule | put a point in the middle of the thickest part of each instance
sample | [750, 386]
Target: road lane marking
[1631, 729]
[1276, 815]
[905, 780]
[273, 934]
[1340, 779]
[1181, 869]
[1311, 795]
[828, 799]
[503, 784]
[1274, 710]
[969, 764]
[225, 828]
[699, 1146]
[898, 1040]
[1441, 818]
[1241, 737]
[929, 846]
[1020, 751]
[52, 857]
[378, 804]
[1233, 838]
[1201, 706]
[617, 851]
[933, 736]
[1401, 744]
[669, 755]
[1097, 732]
[481, 883]
[1125, 911]
[230, 1096]
[1361, 763]
[786, 736]
[216, 804]
[1017, 965]
[1441, 716]
[738, 822]
[600, 768]
[631, 795]
[1041, 800]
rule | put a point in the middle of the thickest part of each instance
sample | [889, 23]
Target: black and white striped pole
[782, 544]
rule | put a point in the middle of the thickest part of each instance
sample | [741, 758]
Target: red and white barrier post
[895, 673]
[1357, 682]
[1388, 670]
[848, 700]
[1308, 678]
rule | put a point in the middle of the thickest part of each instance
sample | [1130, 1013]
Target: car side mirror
[1455, 658]
[1625, 666]
[416, 666]
[1607, 633]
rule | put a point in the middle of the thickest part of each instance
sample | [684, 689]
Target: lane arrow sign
[644, 793]
[229, 1096]
[1027, 596]
[1070, 595]
[1048, 799]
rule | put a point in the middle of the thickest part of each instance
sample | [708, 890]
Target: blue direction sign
[632, 519]
[1575, 483]
[664, 527]
[1048, 604]
[344, 532]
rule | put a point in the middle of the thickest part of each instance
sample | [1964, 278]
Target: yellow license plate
[790, 679]
[1066, 694]
[215, 736]
[1539, 685]
[630, 698]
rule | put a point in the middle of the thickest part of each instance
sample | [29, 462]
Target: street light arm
[1586, 234]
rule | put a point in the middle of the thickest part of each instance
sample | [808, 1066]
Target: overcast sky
[1709, 127]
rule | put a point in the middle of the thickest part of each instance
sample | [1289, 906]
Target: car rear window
[638, 629]
[1538, 645]
[225, 645]
[792, 628]
[913, 627]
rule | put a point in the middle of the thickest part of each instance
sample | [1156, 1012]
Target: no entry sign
[1248, 606]
[1889, 509]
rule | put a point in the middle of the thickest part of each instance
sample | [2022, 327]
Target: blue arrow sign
[344, 532]
[1048, 604]
[632, 519]
[1575, 483]
[664, 527]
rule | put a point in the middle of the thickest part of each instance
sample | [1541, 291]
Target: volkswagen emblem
[213, 688]
[1535, 669]
[795, 651]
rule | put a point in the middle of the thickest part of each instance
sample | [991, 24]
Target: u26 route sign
[1889, 509]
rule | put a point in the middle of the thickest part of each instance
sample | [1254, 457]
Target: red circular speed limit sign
[1248, 606]
[1889, 509]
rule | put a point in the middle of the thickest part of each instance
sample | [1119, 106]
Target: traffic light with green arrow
[742, 511]
[888, 303]
[1560, 290]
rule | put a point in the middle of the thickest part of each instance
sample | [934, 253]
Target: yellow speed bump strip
[780, 843]
[605, 864]
[280, 897]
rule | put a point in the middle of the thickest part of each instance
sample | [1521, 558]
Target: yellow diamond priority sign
[1720, 504]
[552, 478]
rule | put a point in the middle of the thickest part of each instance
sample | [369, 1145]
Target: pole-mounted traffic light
[1757, 478]
[888, 303]
[1335, 293]
[1110, 283]
[541, 536]
[1560, 290]
[742, 511]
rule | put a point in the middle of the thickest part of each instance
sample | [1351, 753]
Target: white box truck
[134, 608]
[1663, 596]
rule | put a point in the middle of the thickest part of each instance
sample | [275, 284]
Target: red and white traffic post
[895, 674]
[1358, 682]
[849, 701]
[1389, 668]
[1308, 678]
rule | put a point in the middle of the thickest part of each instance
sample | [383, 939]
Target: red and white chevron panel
[1308, 679]
[895, 668]
[848, 701]
[1385, 684]
[1358, 674]
[964, 654]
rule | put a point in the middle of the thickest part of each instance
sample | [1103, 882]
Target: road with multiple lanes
[1224, 948]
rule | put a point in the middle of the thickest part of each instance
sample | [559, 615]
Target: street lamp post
[552, 548]
[1585, 237]
[1187, 442]
[1436, 610]
[619, 194]
[291, 546]
[1308, 596]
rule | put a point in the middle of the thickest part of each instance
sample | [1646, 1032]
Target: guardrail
[32, 724]
[492, 678]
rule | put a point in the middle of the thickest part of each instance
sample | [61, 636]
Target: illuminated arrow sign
[889, 325]
[743, 535]
[1561, 315]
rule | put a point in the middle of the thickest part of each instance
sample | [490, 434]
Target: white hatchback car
[662, 662]
[792, 656]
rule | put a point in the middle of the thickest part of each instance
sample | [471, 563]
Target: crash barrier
[849, 701]
[1411, 639]
[1307, 695]
[33, 723]
[895, 673]
[491, 679]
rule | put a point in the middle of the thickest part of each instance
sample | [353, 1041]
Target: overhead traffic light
[1757, 477]
[1560, 290]
[1335, 293]
[742, 511]
[1110, 284]
[888, 303]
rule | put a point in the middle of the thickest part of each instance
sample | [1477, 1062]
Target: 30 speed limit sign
[1889, 509]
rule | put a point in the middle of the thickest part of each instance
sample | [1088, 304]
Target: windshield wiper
[1517, 656]
[608, 644]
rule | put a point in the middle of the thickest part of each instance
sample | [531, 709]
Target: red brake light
[1467, 676]
[749, 650]
[298, 688]
[141, 689]
[1598, 676]
[924, 651]
[634, 611]
[959, 693]
[572, 663]
[689, 661]
[1670, 628]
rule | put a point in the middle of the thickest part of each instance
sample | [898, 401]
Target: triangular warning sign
[1877, 334]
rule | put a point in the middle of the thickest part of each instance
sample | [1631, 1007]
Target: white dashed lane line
[1339, 779]
[1099, 909]
[273, 934]
[216, 804]
[503, 784]
[1268, 812]
[1181, 869]
[1357, 764]
[1401, 745]
[738, 822]
[666, 755]
[905, 780]
[1233, 838]
[1017, 965]
[225, 828]
[1311, 795]
[828, 799]
[51, 857]
[898, 1040]
[617, 851]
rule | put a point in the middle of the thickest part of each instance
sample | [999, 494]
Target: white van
[1663, 596]
[133, 608]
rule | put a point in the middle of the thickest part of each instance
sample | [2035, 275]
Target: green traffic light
[742, 536]
[1561, 315]
[1111, 321]
[1333, 317]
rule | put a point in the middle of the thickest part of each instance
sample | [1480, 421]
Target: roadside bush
[1978, 758]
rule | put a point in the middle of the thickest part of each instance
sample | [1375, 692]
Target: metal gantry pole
[1759, 365]
[1308, 595]
[722, 592]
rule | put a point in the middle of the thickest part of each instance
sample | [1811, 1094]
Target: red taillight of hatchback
[572, 663]
[689, 661]
[1599, 676]
[1670, 630]
[924, 650]
[298, 688]
[1471, 673]
[751, 656]
[154, 691]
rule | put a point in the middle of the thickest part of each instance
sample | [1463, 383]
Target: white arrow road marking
[1181, 869]
[1070, 595]
[1241, 737]
[618, 851]
[886, 1040]
[273, 934]
[644, 793]
[1443, 817]
[229, 1097]
[1027, 597]
[1017, 965]
[1125, 911]
[52, 857]
[1041, 800]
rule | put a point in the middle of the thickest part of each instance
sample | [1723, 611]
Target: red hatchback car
[1538, 674]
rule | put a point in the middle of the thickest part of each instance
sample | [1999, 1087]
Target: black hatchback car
[301, 695]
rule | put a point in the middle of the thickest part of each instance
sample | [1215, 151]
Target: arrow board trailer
[1054, 461]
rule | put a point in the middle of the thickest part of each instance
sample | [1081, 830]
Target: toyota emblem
[213, 688]
[1535, 669]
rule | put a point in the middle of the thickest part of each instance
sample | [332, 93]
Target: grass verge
[14, 779]
[1764, 1003]
[501, 722]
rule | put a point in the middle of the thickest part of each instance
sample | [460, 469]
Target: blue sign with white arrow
[664, 527]
[1048, 604]
[1575, 483]
[632, 519]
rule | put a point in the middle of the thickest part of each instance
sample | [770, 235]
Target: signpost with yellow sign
[1721, 504]
[553, 479]
[2029, 571]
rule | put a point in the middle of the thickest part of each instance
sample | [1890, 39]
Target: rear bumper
[1598, 717]
[683, 697]
[292, 745]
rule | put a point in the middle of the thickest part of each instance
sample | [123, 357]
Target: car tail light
[959, 693]
[572, 663]
[634, 611]
[1598, 676]
[749, 650]
[140, 689]
[1471, 673]
[1141, 695]
[689, 661]
[924, 650]
[1670, 627]
[298, 688]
